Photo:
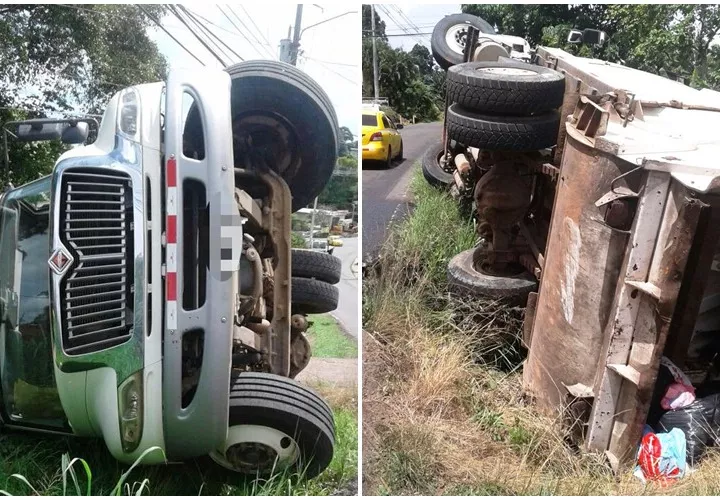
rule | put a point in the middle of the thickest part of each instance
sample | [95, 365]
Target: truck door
[203, 240]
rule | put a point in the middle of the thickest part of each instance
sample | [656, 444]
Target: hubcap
[456, 37]
[257, 450]
[506, 71]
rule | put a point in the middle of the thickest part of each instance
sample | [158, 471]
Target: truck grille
[96, 296]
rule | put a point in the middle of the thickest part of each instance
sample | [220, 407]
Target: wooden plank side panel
[618, 337]
[669, 266]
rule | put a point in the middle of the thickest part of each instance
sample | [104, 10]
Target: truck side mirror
[75, 134]
[36, 130]
[575, 37]
[594, 37]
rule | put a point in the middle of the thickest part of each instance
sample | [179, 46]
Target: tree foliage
[410, 80]
[342, 190]
[671, 40]
[67, 59]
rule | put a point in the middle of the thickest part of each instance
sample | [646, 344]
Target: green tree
[367, 24]
[342, 189]
[671, 40]
[60, 59]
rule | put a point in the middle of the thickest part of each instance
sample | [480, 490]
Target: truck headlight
[130, 398]
[128, 122]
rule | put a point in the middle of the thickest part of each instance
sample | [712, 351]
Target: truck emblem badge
[59, 261]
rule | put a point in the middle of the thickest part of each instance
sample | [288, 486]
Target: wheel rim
[456, 37]
[507, 71]
[444, 164]
[257, 450]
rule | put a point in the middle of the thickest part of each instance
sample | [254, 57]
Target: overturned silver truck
[149, 293]
[595, 189]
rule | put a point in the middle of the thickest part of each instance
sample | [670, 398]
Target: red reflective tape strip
[172, 228]
[171, 173]
[171, 280]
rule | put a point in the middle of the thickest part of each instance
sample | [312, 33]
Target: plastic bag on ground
[697, 421]
[662, 457]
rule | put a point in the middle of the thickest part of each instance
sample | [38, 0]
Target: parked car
[136, 282]
[381, 140]
[335, 240]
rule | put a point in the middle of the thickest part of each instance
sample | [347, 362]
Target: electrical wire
[238, 29]
[331, 62]
[266, 49]
[256, 26]
[354, 82]
[203, 30]
[207, 47]
[153, 19]
[192, 16]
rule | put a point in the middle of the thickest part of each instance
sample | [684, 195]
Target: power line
[207, 47]
[192, 15]
[203, 30]
[354, 82]
[267, 51]
[332, 62]
[392, 18]
[256, 26]
[153, 19]
[400, 25]
[238, 29]
[398, 34]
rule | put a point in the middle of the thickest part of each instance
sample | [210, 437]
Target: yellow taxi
[334, 240]
[381, 140]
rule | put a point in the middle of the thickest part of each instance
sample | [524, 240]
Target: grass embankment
[39, 460]
[327, 339]
[443, 411]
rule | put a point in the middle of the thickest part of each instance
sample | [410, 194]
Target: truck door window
[26, 365]
[193, 130]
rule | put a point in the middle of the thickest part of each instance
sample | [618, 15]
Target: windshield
[26, 365]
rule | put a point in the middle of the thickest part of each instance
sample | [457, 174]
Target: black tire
[432, 171]
[485, 88]
[318, 265]
[463, 278]
[401, 153]
[388, 162]
[304, 154]
[269, 400]
[309, 296]
[446, 55]
[500, 133]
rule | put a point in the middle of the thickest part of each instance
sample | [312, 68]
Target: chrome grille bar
[96, 226]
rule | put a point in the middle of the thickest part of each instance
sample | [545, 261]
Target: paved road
[384, 191]
[348, 312]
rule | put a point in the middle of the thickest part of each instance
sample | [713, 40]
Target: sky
[329, 53]
[423, 16]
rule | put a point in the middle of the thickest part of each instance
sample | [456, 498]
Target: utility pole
[376, 82]
[295, 48]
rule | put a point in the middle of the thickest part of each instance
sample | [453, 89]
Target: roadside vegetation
[327, 338]
[443, 411]
[33, 464]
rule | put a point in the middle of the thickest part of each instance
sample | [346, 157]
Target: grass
[443, 411]
[40, 461]
[327, 339]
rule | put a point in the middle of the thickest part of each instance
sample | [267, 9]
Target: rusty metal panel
[649, 343]
[582, 263]
[529, 319]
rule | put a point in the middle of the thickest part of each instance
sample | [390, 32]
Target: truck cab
[146, 285]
